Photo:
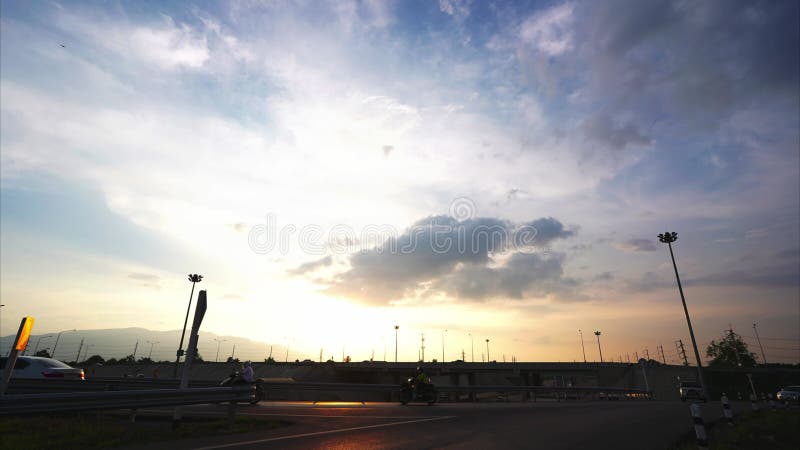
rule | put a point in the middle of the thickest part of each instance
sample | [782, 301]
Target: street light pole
[53, 353]
[582, 346]
[396, 327]
[39, 340]
[194, 278]
[597, 333]
[487, 351]
[150, 355]
[668, 238]
[443, 333]
[472, 345]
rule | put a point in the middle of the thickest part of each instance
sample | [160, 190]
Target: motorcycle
[424, 392]
[236, 379]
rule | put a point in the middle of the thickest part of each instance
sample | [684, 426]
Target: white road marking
[320, 433]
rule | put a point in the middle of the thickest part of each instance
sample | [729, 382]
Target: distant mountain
[120, 342]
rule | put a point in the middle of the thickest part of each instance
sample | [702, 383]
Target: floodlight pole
[396, 327]
[668, 238]
[194, 278]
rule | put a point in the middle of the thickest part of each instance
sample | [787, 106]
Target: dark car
[691, 390]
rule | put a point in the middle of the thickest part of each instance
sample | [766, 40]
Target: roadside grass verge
[96, 431]
[776, 430]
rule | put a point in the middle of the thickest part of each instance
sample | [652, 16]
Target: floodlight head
[668, 237]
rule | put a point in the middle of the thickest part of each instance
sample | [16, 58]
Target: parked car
[39, 367]
[789, 394]
[691, 389]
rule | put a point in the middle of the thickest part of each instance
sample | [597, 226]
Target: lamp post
[86, 350]
[39, 340]
[219, 341]
[668, 238]
[53, 353]
[194, 278]
[597, 333]
[396, 327]
[582, 346]
[487, 351]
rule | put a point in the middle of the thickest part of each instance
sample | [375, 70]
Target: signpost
[20, 343]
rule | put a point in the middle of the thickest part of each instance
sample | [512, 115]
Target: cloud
[456, 8]
[550, 31]
[146, 279]
[311, 266]
[636, 245]
[600, 128]
[458, 258]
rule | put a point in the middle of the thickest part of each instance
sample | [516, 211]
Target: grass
[753, 431]
[96, 431]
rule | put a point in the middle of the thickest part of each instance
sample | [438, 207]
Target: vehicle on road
[236, 379]
[691, 390]
[789, 394]
[418, 392]
[41, 367]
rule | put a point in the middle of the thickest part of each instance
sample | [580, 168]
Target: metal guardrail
[133, 399]
[38, 385]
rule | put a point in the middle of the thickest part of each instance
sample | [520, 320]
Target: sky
[498, 170]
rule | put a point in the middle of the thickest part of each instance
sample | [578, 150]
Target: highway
[545, 425]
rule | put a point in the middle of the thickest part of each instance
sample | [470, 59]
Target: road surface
[569, 425]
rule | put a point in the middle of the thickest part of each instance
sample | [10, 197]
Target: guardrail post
[753, 403]
[726, 410]
[699, 427]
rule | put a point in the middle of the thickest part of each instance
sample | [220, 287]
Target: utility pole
[78, 356]
[463, 355]
[682, 351]
[763, 356]
[487, 351]
[233, 352]
[422, 347]
[582, 347]
[320, 354]
[663, 358]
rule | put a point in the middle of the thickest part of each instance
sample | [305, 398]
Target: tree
[127, 360]
[730, 351]
[43, 353]
[94, 359]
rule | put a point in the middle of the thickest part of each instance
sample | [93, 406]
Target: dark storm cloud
[442, 254]
[311, 266]
[690, 58]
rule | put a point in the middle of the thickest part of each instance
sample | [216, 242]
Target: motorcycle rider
[419, 380]
[247, 373]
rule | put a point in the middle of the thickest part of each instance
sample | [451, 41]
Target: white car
[38, 367]
[789, 394]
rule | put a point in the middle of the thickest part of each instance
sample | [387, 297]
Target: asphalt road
[570, 425]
